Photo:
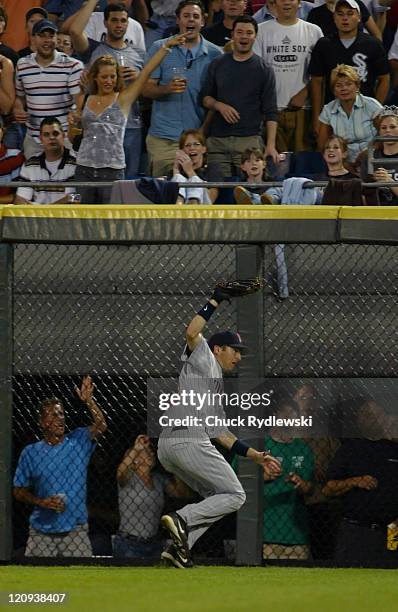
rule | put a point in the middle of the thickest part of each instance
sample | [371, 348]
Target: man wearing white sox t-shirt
[286, 44]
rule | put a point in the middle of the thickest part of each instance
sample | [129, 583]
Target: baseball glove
[225, 290]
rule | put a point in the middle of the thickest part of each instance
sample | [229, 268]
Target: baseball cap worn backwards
[351, 3]
[226, 338]
[43, 25]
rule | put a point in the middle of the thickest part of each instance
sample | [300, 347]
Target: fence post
[250, 316]
[5, 400]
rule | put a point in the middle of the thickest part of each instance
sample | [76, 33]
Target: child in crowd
[254, 167]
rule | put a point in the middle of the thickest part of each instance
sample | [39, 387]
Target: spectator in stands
[7, 89]
[322, 16]
[220, 33]
[16, 35]
[351, 114]
[348, 46]
[4, 50]
[11, 161]
[335, 153]
[51, 476]
[55, 164]
[268, 11]
[175, 86]
[104, 117]
[32, 16]
[387, 124]
[364, 473]
[162, 21]
[96, 26]
[286, 44]
[286, 526]
[240, 90]
[130, 59]
[64, 44]
[190, 165]
[47, 84]
[142, 490]
[254, 168]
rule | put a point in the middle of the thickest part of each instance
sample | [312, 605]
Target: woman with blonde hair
[350, 115]
[103, 119]
[387, 126]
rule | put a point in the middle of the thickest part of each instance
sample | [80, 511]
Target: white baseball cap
[350, 3]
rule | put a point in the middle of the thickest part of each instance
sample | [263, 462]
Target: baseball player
[188, 452]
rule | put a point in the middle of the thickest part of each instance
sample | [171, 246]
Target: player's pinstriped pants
[204, 469]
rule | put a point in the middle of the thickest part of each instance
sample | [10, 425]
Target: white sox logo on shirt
[359, 61]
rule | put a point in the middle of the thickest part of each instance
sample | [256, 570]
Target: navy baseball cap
[36, 10]
[43, 25]
[226, 338]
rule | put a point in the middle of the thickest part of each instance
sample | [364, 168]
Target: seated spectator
[350, 115]
[104, 117]
[32, 16]
[363, 473]
[335, 153]
[190, 165]
[11, 161]
[142, 490]
[286, 525]
[387, 123]
[322, 16]
[51, 476]
[55, 164]
[254, 168]
[4, 50]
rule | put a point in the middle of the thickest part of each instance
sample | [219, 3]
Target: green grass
[208, 589]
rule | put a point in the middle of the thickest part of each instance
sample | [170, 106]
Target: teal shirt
[285, 513]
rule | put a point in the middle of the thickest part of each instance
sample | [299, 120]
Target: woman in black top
[387, 125]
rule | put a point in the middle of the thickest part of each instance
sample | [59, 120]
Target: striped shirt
[35, 169]
[357, 129]
[202, 374]
[48, 90]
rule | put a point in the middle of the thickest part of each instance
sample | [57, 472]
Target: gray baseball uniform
[188, 453]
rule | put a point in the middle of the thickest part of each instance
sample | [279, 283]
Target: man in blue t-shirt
[51, 475]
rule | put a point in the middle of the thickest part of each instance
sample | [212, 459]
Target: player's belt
[179, 428]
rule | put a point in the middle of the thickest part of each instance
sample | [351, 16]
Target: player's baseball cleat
[173, 555]
[177, 529]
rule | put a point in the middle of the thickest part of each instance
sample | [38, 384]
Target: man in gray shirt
[188, 452]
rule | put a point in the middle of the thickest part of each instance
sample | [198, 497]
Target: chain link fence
[118, 313]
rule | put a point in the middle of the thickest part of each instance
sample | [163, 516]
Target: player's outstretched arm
[193, 334]
[270, 464]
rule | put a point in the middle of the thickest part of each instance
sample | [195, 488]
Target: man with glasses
[175, 85]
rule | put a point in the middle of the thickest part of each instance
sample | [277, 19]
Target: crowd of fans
[334, 497]
[183, 91]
